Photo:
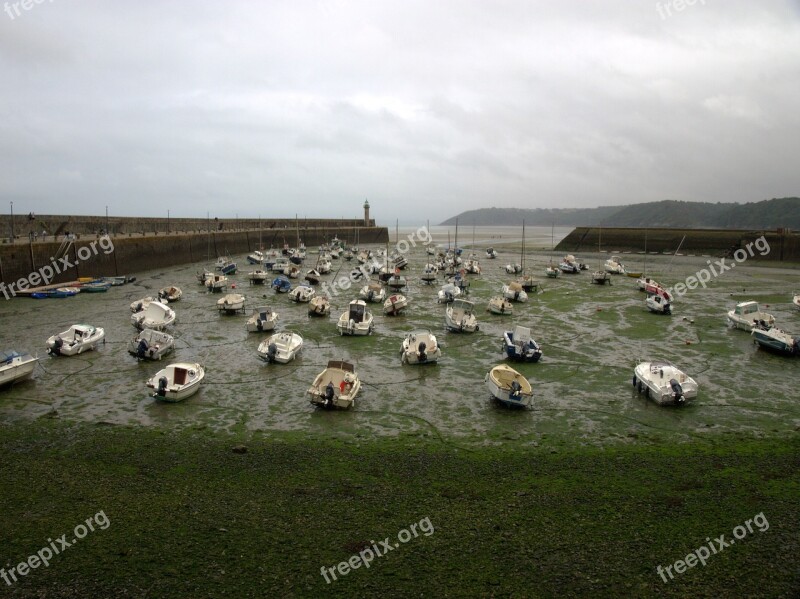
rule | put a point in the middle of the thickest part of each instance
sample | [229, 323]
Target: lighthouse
[366, 213]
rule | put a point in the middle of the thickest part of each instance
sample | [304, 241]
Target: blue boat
[229, 268]
[281, 285]
[519, 346]
[777, 340]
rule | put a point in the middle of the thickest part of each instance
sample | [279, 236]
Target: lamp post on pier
[12, 221]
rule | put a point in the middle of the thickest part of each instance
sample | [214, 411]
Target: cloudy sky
[427, 108]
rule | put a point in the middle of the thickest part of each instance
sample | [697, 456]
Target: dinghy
[302, 294]
[313, 276]
[75, 340]
[262, 319]
[614, 266]
[319, 306]
[448, 293]
[500, 305]
[336, 386]
[747, 315]
[177, 381]
[420, 347]
[519, 345]
[491, 254]
[169, 294]
[374, 292]
[459, 317]
[777, 340]
[552, 272]
[396, 281]
[658, 305]
[394, 304]
[281, 348]
[429, 273]
[515, 292]
[281, 285]
[257, 257]
[509, 387]
[15, 367]
[472, 266]
[664, 383]
[151, 345]
[216, 282]
[356, 321]
[155, 316]
[257, 277]
[231, 303]
[96, 287]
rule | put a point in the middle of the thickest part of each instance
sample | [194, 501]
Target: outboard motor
[371, 295]
[162, 386]
[516, 390]
[328, 396]
[421, 351]
[259, 324]
[57, 345]
[141, 350]
[667, 309]
[516, 295]
[272, 351]
[677, 390]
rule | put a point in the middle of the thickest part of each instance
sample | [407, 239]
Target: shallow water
[592, 338]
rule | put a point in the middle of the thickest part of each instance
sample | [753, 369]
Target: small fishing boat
[777, 340]
[75, 340]
[229, 268]
[280, 265]
[500, 305]
[395, 304]
[319, 306]
[448, 293]
[170, 294]
[203, 276]
[509, 387]
[396, 281]
[528, 283]
[293, 272]
[262, 319]
[491, 254]
[569, 266]
[747, 315]
[96, 287]
[420, 347]
[151, 345]
[155, 316]
[796, 301]
[459, 317]
[221, 261]
[664, 383]
[614, 266]
[356, 321]
[313, 276]
[399, 261]
[216, 283]
[231, 303]
[514, 292]
[472, 266]
[514, 269]
[658, 304]
[121, 280]
[15, 367]
[324, 266]
[61, 292]
[177, 381]
[601, 277]
[651, 287]
[374, 292]
[429, 273]
[336, 386]
[258, 276]
[348, 255]
[302, 294]
[141, 304]
[552, 272]
[281, 285]
[519, 345]
[257, 257]
[281, 347]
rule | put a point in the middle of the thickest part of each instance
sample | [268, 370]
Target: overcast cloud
[426, 108]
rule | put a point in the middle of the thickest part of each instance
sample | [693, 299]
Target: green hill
[767, 214]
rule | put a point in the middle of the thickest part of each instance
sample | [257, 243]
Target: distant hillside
[768, 214]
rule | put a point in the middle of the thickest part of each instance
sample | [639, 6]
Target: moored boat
[420, 347]
[601, 277]
[519, 345]
[319, 306]
[500, 305]
[217, 282]
[155, 316]
[746, 315]
[664, 382]
[258, 276]
[281, 347]
[514, 292]
[302, 294]
[373, 292]
[356, 321]
[459, 317]
[177, 381]
[281, 285]
[448, 293]
[262, 319]
[231, 303]
[15, 366]
[658, 304]
[395, 304]
[509, 386]
[150, 344]
[75, 340]
[141, 304]
[777, 340]
[170, 294]
[336, 386]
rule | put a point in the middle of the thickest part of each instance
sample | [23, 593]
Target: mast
[455, 246]
[297, 232]
[522, 253]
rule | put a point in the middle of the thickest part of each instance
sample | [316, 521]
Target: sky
[426, 109]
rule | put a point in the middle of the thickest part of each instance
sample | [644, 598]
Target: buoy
[233, 285]
[688, 342]
[599, 309]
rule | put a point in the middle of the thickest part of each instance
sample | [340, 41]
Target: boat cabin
[357, 312]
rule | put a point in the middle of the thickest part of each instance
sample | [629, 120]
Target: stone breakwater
[785, 246]
[133, 252]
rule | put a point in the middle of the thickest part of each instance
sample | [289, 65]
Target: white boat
[262, 319]
[509, 386]
[319, 306]
[796, 301]
[747, 315]
[356, 321]
[514, 269]
[141, 304]
[155, 316]
[777, 340]
[231, 303]
[420, 347]
[336, 386]
[395, 304]
[651, 287]
[217, 282]
[448, 293]
[177, 381]
[491, 254]
[169, 294]
[313, 276]
[614, 266]
[552, 272]
[472, 266]
[281, 347]
[302, 294]
[324, 266]
[459, 317]
[601, 277]
[374, 292]
[293, 272]
[500, 305]
[528, 283]
[664, 382]
[221, 261]
[569, 265]
[519, 345]
[151, 345]
[258, 276]
[514, 292]
[396, 281]
[429, 273]
[281, 265]
[75, 340]
[257, 257]
[15, 367]
[658, 304]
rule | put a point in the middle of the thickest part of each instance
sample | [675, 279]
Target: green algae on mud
[191, 517]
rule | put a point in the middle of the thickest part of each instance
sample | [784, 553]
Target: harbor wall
[127, 254]
[783, 245]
